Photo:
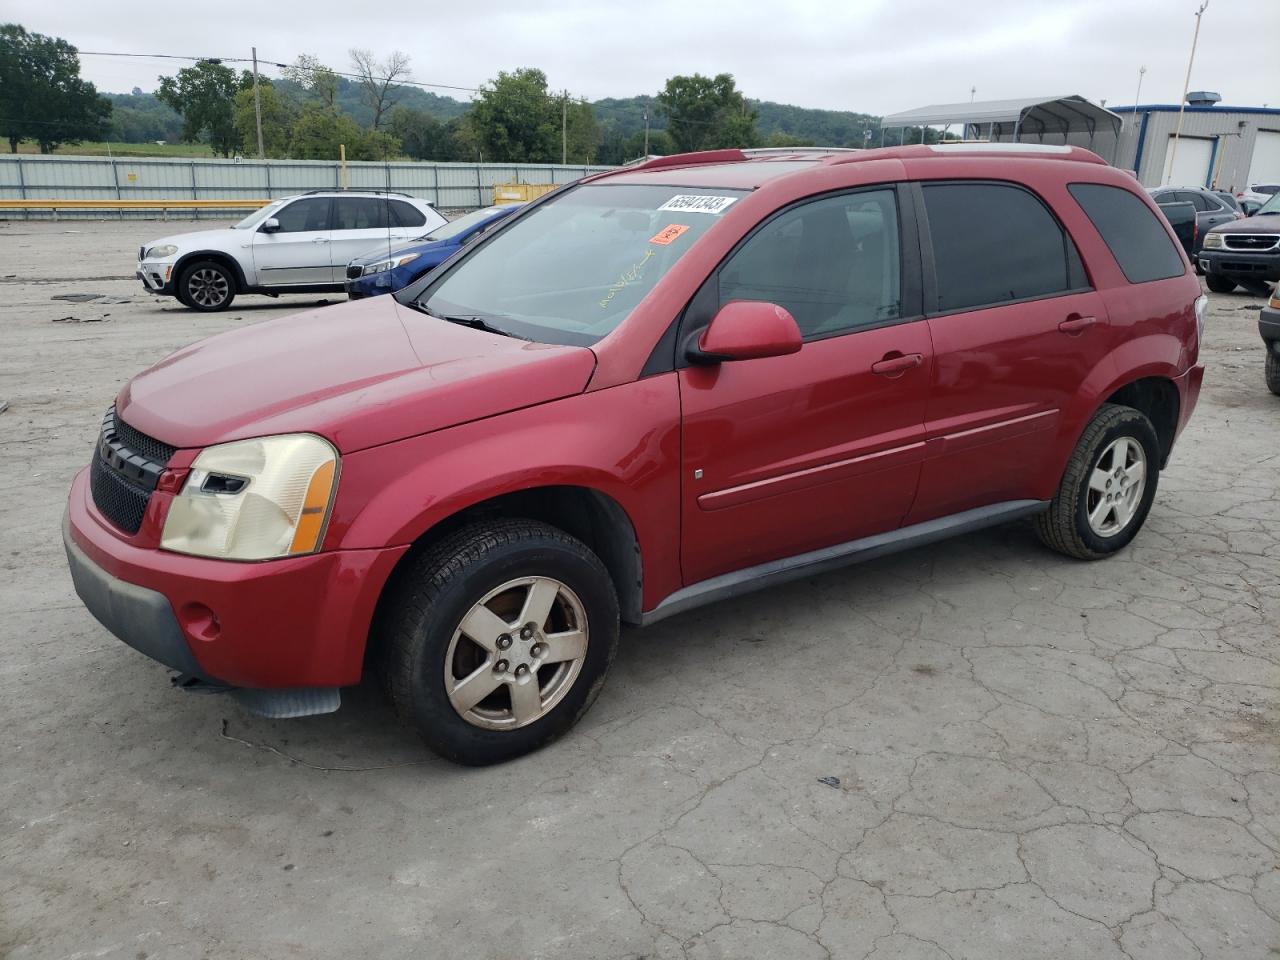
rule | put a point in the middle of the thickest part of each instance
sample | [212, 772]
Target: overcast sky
[874, 56]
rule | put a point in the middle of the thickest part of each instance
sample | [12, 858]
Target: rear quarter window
[1139, 242]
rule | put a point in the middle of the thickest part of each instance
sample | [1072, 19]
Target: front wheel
[1107, 488]
[1217, 283]
[497, 639]
[1273, 371]
[207, 286]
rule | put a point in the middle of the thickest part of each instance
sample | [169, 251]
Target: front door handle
[319, 239]
[1076, 324]
[897, 365]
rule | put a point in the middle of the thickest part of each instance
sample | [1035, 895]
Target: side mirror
[746, 330]
[1250, 207]
[270, 225]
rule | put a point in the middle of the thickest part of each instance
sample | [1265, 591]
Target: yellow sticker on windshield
[667, 234]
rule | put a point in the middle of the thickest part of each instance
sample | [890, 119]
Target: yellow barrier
[504, 193]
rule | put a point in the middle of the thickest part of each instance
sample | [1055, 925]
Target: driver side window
[833, 263]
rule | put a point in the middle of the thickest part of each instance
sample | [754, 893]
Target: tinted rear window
[996, 243]
[1137, 240]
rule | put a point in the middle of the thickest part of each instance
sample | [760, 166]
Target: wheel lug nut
[538, 650]
[501, 666]
[521, 670]
[526, 632]
[504, 641]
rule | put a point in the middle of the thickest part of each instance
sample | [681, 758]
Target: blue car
[388, 270]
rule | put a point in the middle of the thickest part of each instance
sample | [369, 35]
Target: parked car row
[365, 243]
[662, 386]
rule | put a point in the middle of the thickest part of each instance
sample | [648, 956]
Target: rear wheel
[1273, 371]
[1218, 283]
[497, 639]
[1107, 488]
[206, 285]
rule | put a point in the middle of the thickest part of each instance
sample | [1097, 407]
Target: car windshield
[455, 227]
[1271, 206]
[255, 218]
[573, 269]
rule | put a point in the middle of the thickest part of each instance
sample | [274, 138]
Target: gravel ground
[973, 750]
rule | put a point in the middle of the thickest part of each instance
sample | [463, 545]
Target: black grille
[354, 270]
[1249, 241]
[126, 468]
[121, 502]
[151, 448]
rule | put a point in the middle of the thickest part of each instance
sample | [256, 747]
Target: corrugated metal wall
[447, 185]
[1233, 132]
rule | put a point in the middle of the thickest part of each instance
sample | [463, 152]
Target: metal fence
[447, 185]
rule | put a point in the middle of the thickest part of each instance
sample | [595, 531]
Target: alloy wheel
[208, 287]
[516, 653]
[1115, 487]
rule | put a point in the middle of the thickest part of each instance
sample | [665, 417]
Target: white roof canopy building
[1070, 119]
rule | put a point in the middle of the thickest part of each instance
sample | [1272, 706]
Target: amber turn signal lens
[314, 509]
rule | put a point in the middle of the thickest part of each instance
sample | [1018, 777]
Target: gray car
[1211, 209]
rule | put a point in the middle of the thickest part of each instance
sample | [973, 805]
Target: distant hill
[139, 117]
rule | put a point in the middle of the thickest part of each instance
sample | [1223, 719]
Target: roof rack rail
[389, 193]
[788, 151]
[1031, 151]
[731, 155]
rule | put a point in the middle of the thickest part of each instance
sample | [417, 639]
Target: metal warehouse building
[1222, 147]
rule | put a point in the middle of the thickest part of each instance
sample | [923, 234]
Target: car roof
[750, 169]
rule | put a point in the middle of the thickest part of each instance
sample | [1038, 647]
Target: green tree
[780, 139]
[421, 136]
[707, 113]
[278, 114]
[205, 96]
[515, 119]
[315, 78]
[318, 132]
[582, 132]
[42, 97]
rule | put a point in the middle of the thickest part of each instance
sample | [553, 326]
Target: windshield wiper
[480, 323]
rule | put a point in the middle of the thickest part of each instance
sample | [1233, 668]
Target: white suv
[299, 244]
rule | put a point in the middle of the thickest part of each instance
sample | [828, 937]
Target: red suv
[655, 388]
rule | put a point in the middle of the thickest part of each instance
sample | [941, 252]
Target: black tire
[1065, 526]
[440, 587]
[1217, 283]
[1273, 370]
[207, 286]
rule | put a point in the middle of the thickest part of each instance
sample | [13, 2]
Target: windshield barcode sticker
[697, 203]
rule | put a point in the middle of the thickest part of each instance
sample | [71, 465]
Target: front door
[1016, 329]
[790, 454]
[298, 252]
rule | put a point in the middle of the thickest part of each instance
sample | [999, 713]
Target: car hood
[203, 238]
[1266, 223]
[423, 247]
[361, 374]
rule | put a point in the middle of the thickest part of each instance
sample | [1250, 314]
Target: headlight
[383, 265]
[255, 499]
[1213, 241]
[161, 250]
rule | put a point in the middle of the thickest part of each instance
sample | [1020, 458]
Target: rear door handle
[896, 366]
[319, 239]
[1076, 324]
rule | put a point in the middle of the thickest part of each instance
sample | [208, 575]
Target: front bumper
[156, 277]
[1240, 264]
[389, 281]
[1269, 326]
[296, 622]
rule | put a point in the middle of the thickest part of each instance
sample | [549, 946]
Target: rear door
[364, 226]
[790, 454]
[1016, 329]
[297, 253]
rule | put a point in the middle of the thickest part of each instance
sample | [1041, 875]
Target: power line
[271, 63]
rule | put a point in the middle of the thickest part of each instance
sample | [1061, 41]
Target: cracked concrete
[1037, 758]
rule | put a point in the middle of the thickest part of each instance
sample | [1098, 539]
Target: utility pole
[564, 128]
[1186, 85]
[1137, 99]
[257, 105]
[646, 129]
